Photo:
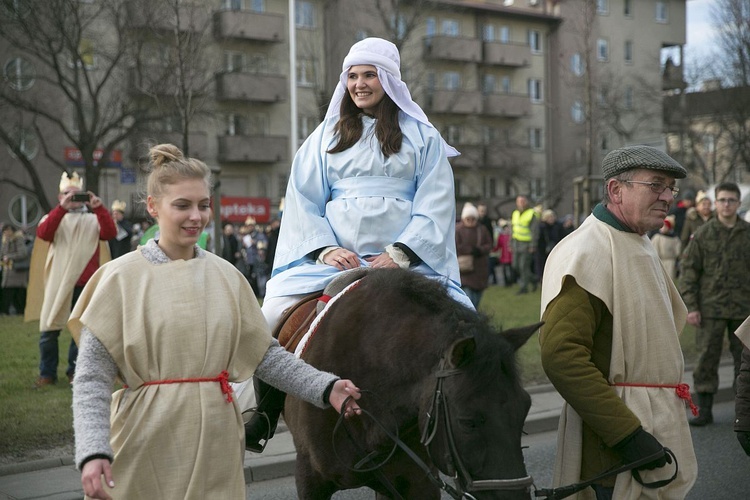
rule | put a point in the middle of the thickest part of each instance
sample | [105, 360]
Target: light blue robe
[362, 201]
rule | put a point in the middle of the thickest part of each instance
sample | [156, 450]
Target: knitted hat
[72, 180]
[469, 210]
[700, 197]
[632, 157]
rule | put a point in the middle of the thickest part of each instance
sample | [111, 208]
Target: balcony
[506, 54]
[253, 149]
[153, 80]
[249, 25]
[506, 156]
[472, 155]
[152, 16]
[506, 105]
[454, 101]
[254, 87]
[452, 48]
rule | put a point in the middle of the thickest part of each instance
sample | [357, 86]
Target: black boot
[262, 424]
[705, 401]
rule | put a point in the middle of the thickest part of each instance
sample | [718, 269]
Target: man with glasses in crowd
[715, 285]
[610, 342]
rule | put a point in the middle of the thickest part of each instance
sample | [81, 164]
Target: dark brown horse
[399, 336]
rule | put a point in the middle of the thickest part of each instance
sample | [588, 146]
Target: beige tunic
[623, 270]
[55, 269]
[176, 320]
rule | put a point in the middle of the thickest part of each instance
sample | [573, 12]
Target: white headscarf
[385, 57]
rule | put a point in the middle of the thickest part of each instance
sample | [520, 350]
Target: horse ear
[518, 336]
[460, 352]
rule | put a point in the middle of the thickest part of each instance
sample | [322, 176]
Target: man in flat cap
[610, 342]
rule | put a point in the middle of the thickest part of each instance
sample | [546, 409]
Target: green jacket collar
[604, 215]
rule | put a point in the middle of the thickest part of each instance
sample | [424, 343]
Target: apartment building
[532, 92]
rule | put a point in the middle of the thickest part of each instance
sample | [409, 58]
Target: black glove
[476, 252]
[639, 445]
[744, 438]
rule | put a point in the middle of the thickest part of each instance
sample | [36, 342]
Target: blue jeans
[48, 349]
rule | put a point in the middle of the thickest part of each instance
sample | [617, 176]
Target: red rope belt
[682, 391]
[222, 379]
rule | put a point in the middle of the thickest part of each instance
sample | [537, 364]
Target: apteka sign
[239, 208]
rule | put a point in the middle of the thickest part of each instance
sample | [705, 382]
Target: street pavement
[57, 479]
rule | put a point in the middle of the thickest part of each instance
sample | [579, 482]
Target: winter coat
[693, 221]
[474, 241]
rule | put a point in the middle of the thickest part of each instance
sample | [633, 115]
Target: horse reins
[438, 407]
[566, 491]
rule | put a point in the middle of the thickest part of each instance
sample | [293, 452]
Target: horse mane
[432, 296]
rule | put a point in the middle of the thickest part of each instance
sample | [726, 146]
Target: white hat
[469, 210]
[385, 57]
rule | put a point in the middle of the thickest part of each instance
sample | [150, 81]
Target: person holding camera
[71, 245]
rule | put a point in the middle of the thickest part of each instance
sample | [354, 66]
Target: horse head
[476, 413]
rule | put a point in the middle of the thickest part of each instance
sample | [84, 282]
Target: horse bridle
[465, 484]
[461, 475]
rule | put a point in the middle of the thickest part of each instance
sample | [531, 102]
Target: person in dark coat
[121, 243]
[550, 233]
[473, 239]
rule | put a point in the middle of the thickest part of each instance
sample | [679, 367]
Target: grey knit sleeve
[290, 374]
[92, 395]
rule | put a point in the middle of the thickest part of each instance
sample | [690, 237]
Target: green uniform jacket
[715, 271]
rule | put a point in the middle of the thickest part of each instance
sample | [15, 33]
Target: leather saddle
[296, 320]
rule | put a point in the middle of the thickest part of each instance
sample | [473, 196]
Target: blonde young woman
[175, 324]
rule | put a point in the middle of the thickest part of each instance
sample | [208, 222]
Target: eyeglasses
[728, 201]
[657, 187]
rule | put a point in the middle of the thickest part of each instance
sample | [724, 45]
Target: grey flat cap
[630, 157]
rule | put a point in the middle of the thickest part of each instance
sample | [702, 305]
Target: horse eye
[471, 423]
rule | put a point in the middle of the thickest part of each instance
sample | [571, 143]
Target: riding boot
[705, 417]
[262, 424]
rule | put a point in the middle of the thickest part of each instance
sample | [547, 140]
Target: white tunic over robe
[166, 321]
[362, 201]
[623, 271]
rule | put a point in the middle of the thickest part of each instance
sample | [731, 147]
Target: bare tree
[79, 52]
[176, 66]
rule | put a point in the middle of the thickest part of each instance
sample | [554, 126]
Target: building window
[19, 73]
[662, 13]
[256, 63]
[505, 84]
[602, 50]
[604, 146]
[628, 98]
[535, 90]
[535, 138]
[488, 33]
[430, 26]
[628, 8]
[576, 64]
[488, 84]
[576, 111]
[451, 80]
[709, 143]
[26, 141]
[628, 51]
[431, 81]
[236, 125]
[257, 5]
[398, 26]
[535, 41]
[304, 15]
[305, 127]
[491, 187]
[602, 7]
[453, 134]
[504, 34]
[449, 27]
[305, 73]
[234, 61]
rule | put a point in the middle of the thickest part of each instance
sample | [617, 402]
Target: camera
[80, 197]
